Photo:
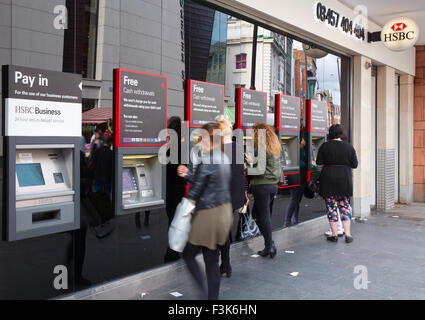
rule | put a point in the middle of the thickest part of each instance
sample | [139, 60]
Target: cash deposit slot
[317, 129]
[42, 130]
[140, 108]
[287, 121]
[251, 108]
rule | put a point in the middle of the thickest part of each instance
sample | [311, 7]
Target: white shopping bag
[178, 234]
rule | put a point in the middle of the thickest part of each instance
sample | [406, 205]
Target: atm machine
[317, 130]
[42, 185]
[288, 128]
[140, 109]
[41, 170]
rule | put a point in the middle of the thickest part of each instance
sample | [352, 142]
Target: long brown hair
[273, 146]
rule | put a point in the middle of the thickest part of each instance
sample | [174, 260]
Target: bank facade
[368, 88]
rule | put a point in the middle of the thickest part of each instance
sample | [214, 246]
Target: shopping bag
[178, 234]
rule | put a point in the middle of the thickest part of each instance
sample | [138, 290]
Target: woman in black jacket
[213, 216]
[338, 158]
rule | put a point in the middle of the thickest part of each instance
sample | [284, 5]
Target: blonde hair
[273, 146]
[224, 124]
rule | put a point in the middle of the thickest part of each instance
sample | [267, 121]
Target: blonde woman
[234, 153]
[263, 182]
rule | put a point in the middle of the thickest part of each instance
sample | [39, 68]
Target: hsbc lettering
[398, 36]
[36, 110]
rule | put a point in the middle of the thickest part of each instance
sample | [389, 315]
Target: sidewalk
[390, 245]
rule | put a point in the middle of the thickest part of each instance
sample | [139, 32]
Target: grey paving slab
[392, 250]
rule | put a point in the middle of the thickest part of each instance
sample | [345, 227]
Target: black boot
[226, 269]
[268, 251]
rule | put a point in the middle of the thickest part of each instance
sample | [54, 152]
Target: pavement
[386, 261]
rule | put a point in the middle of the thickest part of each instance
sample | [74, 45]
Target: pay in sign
[30, 80]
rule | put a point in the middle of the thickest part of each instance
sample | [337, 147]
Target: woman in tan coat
[212, 220]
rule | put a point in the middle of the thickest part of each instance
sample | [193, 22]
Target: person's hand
[313, 163]
[248, 158]
[182, 171]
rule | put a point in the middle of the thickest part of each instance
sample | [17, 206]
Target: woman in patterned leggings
[338, 158]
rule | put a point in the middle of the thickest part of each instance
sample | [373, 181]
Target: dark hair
[109, 141]
[175, 123]
[99, 130]
[335, 132]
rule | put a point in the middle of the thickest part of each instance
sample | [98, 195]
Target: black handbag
[314, 184]
[247, 227]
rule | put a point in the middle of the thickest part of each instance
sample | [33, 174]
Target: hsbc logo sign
[400, 34]
[398, 26]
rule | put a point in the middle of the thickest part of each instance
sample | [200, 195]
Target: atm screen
[30, 175]
[286, 154]
[128, 181]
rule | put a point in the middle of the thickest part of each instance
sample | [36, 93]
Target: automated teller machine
[288, 126]
[140, 111]
[141, 181]
[41, 173]
[42, 188]
[317, 130]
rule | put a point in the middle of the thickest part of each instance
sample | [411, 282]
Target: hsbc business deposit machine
[140, 111]
[42, 130]
[288, 127]
[317, 130]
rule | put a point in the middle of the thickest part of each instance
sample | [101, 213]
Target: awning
[97, 116]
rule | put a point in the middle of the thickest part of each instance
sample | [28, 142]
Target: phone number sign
[342, 23]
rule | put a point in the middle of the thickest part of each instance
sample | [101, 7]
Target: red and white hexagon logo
[398, 26]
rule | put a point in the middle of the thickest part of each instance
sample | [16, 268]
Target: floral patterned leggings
[341, 203]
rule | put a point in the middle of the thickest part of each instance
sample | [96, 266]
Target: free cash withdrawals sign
[141, 108]
[288, 113]
[318, 112]
[204, 102]
[41, 103]
[251, 107]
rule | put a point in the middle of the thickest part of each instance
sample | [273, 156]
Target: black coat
[103, 161]
[210, 184]
[338, 159]
[237, 181]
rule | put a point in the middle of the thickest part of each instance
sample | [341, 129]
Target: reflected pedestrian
[293, 209]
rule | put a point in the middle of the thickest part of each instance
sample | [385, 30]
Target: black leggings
[263, 204]
[212, 268]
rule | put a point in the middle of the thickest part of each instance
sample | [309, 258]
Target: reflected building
[273, 64]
